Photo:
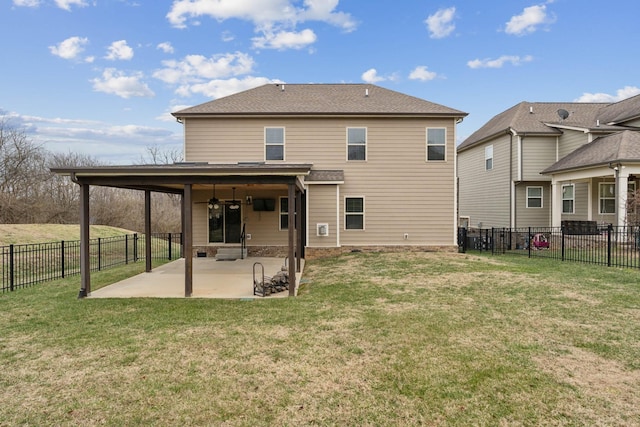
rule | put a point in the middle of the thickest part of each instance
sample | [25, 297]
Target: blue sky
[100, 77]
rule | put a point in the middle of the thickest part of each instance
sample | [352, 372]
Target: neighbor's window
[436, 143]
[274, 143]
[356, 143]
[607, 197]
[568, 198]
[534, 197]
[488, 157]
[354, 213]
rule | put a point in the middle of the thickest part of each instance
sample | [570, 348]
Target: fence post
[493, 235]
[126, 249]
[170, 245]
[62, 257]
[529, 241]
[135, 247]
[99, 253]
[562, 233]
[609, 230]
[11, 268]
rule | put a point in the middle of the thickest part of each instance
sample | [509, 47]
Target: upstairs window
[356, 143]
[488, 157]
[436, 143]
[534, 197]
[354, 213]
[274, 143]
[568, 198]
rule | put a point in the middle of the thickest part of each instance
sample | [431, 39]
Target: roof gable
[536, 118]
[621, 111]
[614, 148]
[319, 99]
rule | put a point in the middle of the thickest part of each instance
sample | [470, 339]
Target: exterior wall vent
[322, 229]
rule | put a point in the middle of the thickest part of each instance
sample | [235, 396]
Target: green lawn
[372, 340]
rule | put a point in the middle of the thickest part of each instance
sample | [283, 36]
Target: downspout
[512, 214]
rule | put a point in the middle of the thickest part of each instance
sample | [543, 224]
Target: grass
[372, 340]
[19, 234]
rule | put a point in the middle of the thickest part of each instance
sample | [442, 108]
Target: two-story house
[539, 163]
[381, 167]
[305, 169]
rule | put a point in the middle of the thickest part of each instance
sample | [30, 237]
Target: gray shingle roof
[319, 99]
[533, 117]
[324, 175]
[621, 111]
[618, 147]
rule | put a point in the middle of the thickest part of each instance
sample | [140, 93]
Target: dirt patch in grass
[605, 383]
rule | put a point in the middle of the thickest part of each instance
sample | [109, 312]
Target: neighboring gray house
[539, 163]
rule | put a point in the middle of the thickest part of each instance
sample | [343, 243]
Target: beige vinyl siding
[322, 206]
[570, 141]
[538, 153]
[403, 192]
[533, 217]
[484, 195]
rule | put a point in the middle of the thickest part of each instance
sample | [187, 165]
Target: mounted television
[264, 205]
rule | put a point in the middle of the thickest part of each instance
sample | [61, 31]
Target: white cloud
[196, 68]
[624, 93]
[275, 20]
[529, 20]
[26, 3]
[440, 23]
[260, 12]
[219, 88]
[371, 76]
[166, 47]
[70, 48]
[119, 51]
[227, 36]
[125, 86]
[422, 73]
[66, 4]
[499, 62]
[285, 40]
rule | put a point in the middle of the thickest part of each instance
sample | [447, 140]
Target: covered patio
[211, 279]
[183, 179]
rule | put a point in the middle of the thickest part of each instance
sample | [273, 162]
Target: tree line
[31, 194]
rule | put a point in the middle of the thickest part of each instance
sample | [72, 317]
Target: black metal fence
[608, 245]
[29, 264]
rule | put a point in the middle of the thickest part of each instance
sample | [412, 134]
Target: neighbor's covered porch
[184, 179]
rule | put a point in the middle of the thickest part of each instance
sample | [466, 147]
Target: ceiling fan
[213, 202]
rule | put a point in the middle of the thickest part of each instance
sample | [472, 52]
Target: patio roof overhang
[183, 178]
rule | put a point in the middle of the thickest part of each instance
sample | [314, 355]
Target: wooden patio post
[188, 241]
[299, 232]
[292, 253]
[147, 229]
[85, 263]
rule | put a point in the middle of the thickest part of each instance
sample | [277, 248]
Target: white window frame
[443, 145]
[354, 213]
[601, 199]
[267, 144]
[541, 197]
[488, 157]
[572, 198]
[366, 138]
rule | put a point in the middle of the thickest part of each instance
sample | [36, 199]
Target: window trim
[487, 149]
[572, 199]
[444, 144]
[355, 213]
[282, 214]
[283, 144]
[600, 198]
[541, 197]
[366, 139]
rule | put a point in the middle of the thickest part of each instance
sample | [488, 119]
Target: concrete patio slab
[211, 279]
